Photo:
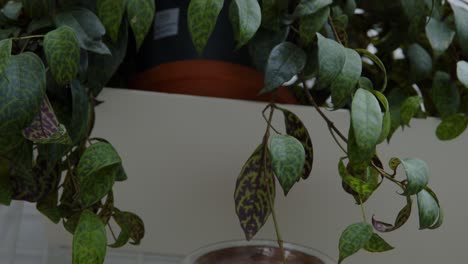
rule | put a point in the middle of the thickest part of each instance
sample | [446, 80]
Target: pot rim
[189, 259]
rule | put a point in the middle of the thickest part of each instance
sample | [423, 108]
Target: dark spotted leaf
[111, 12]
[285, 61]
[420, 62]
[5, 54]
[132, 223]
[307, 7]
[140, 15]
[461, 22]
[6, 190]
[37, 8]
[245, 17]
[96, 172]
[394, 163]
[462, 72]
[48, 206]
[63, 54]
[379, 64]
[331, 59]
[444, 94]
[409, 108]
[400, 220]
[295, 128]
[428, 209]
[344, 85]
[287, 159]
[359, 186]
[202, 17]
[89, 241]
[366, 119]
[252, 192]
[377, 244]
[309, 25]
[354, 238]
[417, 174]
[439, 35]
[452, 126]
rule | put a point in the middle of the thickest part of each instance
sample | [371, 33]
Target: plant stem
[337, 141]
[387, 175]
[363, 211]
[271, 179]
[28, 37]
[112, 232]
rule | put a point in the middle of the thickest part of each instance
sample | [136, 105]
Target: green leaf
[439, 35]
[461, 23]
[285, 61]
[287, 159]
[440, 220]
[417, 174]
[6, 190]
[296, 129]
[140, 14]
[48, 206]
[409, 108]
[357, 185]
[444, 94]
[366, 83]
[377, 244]
[331, 59]
[420, 62]
[5, 54]
[354, 238]
[400, 220]
[309, 25]
[386, 121]
[451, 127]
[12, 10]
[71, 223]
[245, 17]
[96, 172]
[132, 223]
[359, 158]
[87, 26]
[379, 64]
[307, 7]
[428, 209]
[272, 13]
[22, 94]
[366, 118]
[111, 12]
[252, 191]
[89, 241]
[202, 17]
[63, 54]
[262, 43]
[462, 72]
[393, 163]
[343, 87]
[414, 11]
[37, 8]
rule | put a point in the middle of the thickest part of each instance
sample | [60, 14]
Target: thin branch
[112, 232]
[363, 211]
[332, 25]
[337, 141]
[387, 175]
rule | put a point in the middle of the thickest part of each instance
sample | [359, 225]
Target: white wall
[183, 155]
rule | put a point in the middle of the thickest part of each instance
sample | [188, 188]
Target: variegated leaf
[377, 244]
[417, 174]
[111, 12]
[354, 238]
[90, 240]
[202, 17]
[132, 223]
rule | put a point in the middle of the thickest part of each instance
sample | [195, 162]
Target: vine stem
[112, 231]
[363, 210]
[268, 179]
[28, 37]
[387, 175]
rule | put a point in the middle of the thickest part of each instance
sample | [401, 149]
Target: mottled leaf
[307, 7]
[461, 23]
[462, 72]
[89, 241]
[428, 209]
[262, 43]
[111, 12]
[357, 185]
[400, 220]
[140, 15]
[440, 35]
[444, 94]
[354, 238]
[377, 244]
[452, 126]
[48, 206]
[202, 17]
[5, 54]
[252, 192]
[379, 64]
[359, 158]
[343, 87]
[295, 128]
[132, 223]
[420, 62]
[366, 118]
[63, 54]
[287, 159]
[245, 17]
[409, 108]
[417, 174]
[309, 25]
[331, 59]
[285, 61]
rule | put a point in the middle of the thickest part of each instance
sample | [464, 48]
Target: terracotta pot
[256, 252]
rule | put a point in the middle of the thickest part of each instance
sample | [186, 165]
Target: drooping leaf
[379, 64]
[48, 206]
[354, 238]
[309, 25]
[400, 220]
[377, 244]
[262, 43]
[245, 17]
[89, 241]
[96, 172]
[343, 87]
[417, 174]
[386, 121]
[359, 186]
[331, 60]
[111, 12]
[359, 158]
[252, 191]
[295, 128]
[133, 223]
[87, 26]
[440, 220]
[444, 94]
[452, 126]
[287, 159]
[140, 15]
[462, 72]
[37, 8]
[440, 35]
[307, 7]
[428, 209]
[461, 23]
[409, 108]
[5, 54]
[202, 17]
[366, 118]
[420, 62]
[272, 12]
[6, 191]
[285, 61]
